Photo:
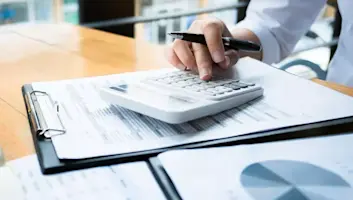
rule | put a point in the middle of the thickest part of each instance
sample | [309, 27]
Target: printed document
[308, 169]
[97, 128]
[131, 181]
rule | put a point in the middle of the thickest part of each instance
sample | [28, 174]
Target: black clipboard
[163, 179]
[51, 164]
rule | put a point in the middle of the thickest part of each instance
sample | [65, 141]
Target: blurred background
[22, 11]
[151, 20]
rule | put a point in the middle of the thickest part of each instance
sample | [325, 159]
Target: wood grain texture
[47, 52]
[15, 138]
[54, 52]
[337, 87]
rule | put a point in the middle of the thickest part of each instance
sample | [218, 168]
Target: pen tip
[176, 35]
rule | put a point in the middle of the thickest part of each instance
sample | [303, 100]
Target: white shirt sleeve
[279, 24]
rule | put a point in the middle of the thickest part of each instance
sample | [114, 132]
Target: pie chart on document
[293, 180]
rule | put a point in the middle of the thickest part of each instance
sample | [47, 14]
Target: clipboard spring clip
[45, 125]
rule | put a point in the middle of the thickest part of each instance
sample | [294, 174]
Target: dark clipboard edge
[163, 179]
[50, 164]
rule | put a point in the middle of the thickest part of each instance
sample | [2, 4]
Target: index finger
[213, 34]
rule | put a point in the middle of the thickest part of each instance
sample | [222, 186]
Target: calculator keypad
[217, 88]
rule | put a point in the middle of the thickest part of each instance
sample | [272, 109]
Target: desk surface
[52, 52]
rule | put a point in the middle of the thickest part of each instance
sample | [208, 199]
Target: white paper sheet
[308, 169]
[96, 128]
[132, 181]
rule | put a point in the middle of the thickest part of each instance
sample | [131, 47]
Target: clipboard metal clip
[45, 112]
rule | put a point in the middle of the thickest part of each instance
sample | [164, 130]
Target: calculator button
[249, 84]
[175, 73]
[222, 82]
[233, 86]
[180, 84]
[217, 88]
[191, 81]
[203, 86]
[243, 85]
[190, 75]
[209, 84]
[211, 90]
[196, 89]
[197, 80]
[166, 80]
[223, 89]
[208, 93]
[187, 78]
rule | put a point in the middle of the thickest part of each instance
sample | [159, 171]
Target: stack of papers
[131, 181]
[306, 169]
[95, 127]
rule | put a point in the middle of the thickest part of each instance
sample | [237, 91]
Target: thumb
[231, 58]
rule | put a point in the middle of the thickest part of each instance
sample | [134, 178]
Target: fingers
[180, 54]
[213, 30]
[184, 53]
[203, 60]
[200, 58]
[231, 57]
[174, 60]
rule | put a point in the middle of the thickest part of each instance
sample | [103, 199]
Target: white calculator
[180, 96]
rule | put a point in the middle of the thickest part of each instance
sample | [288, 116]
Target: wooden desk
[51, 52]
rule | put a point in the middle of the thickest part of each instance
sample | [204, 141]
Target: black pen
[228, 42]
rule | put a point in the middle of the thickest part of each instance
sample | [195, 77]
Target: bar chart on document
[109, 129]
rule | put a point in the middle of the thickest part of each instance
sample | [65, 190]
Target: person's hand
[201, 58]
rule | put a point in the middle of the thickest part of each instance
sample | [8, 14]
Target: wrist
[246, 34]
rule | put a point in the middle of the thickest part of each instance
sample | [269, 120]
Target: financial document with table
[95, 127]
